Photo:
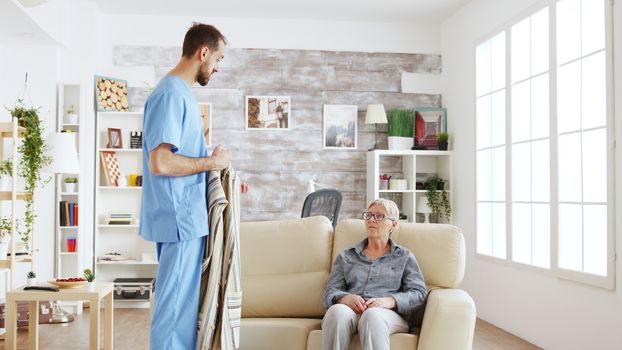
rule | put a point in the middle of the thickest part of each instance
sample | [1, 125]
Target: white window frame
[607, 281]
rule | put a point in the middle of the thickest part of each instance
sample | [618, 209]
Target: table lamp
[375, 115]
[422, 207]
[61, 148]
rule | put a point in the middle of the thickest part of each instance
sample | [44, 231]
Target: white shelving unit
[122, 239]
[413, 164]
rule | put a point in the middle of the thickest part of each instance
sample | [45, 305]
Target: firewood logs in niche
[112, 95]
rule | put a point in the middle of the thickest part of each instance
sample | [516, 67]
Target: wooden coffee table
[101, 291]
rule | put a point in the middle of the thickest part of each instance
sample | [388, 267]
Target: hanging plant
[32, 151]
[438, 199]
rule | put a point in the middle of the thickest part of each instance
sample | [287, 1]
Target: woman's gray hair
[389, 206]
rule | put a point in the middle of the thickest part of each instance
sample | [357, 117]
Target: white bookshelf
[109, 198]
[412, 163]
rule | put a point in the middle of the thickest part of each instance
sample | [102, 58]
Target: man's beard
[203, 78]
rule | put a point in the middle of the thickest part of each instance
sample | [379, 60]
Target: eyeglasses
[377, 216]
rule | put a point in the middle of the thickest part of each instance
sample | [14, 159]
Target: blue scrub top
[173, 208]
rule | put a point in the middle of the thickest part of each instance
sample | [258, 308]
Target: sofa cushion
[439, 248]
[285, 266]
[397, 341]
[276, 333]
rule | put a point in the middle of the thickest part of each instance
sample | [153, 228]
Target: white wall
[552, 313]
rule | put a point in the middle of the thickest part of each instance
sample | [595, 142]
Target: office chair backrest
[326, 202]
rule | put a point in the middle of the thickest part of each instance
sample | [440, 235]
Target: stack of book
[68, 213]
[120, 219]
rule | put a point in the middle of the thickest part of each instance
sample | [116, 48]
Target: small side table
[101, 291]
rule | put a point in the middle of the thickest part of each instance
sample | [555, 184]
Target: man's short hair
[201, 35]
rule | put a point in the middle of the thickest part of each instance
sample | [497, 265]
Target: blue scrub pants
[176, 310]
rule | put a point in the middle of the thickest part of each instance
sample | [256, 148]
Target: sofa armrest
[448, 321]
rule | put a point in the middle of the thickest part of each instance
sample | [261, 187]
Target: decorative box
[140, 289]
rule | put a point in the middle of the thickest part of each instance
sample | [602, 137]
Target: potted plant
[90, 277]
[6, 171]
[400, 129]
[6, 227]
[443, 140]
[31, 278]
[438, 198]
[72, 116]
[32, 150]
[70, 184]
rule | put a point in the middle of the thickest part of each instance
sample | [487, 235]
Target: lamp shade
[375, 115]
[422, 205]
[61, 148]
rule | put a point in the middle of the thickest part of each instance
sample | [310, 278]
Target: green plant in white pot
[31, 278]
[70, 184]
[6, 227]
[6, 171]
[400, 129]
[72, 116]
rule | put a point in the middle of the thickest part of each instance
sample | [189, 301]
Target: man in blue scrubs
[173, 209]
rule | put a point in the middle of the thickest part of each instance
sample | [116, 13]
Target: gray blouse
[394, 274]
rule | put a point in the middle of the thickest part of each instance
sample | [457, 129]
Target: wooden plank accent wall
[277, 165]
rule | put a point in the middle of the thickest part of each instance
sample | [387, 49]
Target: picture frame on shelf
[205, 109]
[115, 139]
[110, 167]
[429, 122]
[267, 112]
[111, 94]
[340, 127]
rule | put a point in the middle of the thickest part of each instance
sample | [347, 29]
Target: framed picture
[111, 94]
[114, 138]
[340, 126]
[267, 112]
[206, 116]
[110, 167]
[428, 123]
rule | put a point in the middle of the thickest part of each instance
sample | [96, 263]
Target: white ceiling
[16, 27]
[343, 10]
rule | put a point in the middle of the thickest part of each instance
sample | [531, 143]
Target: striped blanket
[221, 290]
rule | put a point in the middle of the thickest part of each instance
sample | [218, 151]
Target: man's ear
[204, 53]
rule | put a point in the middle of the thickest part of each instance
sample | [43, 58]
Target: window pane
[595, 166]
[498, 118]
[570, 237]
[569, 97]
[498, 61]
[594, 101]
[540, 107]
[520, 51]
[540, 173]
[569, 160]
[483, 122]
[484, 228]
[483, 68]
[484, 175]
[592, 25]
[521, 232]
[521, 112]
[595, 239]
[521, 172]
[498, 230]
[540, 42]
[541, 235]
[568, 30]
[498, 174]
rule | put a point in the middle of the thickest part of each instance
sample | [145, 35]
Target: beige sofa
[285, 266]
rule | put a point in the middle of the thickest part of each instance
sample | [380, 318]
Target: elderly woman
[374, 287]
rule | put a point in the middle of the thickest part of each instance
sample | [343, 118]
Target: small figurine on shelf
[122, 182]
[31, 278]
[90, 278]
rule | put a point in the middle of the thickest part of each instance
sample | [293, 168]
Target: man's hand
[355, 302]
[221, 158]
[386, 302]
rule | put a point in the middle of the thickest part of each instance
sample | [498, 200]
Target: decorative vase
[70, 187]
[72, 118]
[399, 143]
[31, 281]
[90, 286]
[122, 182]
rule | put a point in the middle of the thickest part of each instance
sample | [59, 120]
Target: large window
[545, 199]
